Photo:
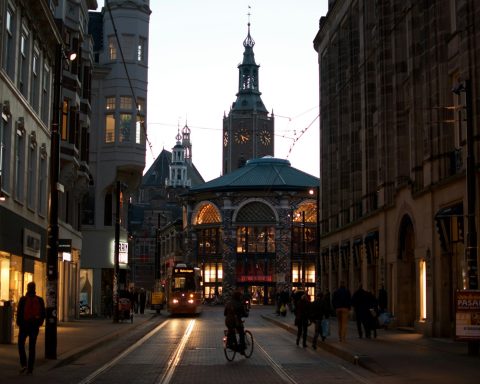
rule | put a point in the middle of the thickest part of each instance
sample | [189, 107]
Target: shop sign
[123, 252]
[246, 278]
[467, 305]
[65, 249]
[31, 243]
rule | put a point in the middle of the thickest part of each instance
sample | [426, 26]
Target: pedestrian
[318, 311]
[134, 299]
[142, 298]
[342, 302]
[382, 299]
[360, 305]
[371, 319]
[30, 317]
[302, 311]
[284, 301]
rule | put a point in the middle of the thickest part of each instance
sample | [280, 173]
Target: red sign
[245, 278]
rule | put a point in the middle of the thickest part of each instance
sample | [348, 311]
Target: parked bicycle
[231, 348]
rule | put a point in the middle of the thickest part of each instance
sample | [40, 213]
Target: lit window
[141, 49]
[109, 129]
[110, 103]
[112, 48]
[138, 130]
[125, 127]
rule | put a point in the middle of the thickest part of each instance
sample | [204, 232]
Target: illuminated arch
[310, 209]
[206, 213]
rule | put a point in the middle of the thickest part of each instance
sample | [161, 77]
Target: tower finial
[248, 42]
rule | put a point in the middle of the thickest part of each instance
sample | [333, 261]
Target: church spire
[248, 96]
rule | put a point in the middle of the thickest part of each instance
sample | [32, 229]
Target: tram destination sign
[467, 324]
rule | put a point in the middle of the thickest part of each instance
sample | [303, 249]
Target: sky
[195, 48]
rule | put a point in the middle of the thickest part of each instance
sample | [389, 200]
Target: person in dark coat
[142, 299]
[382, 299]
[371, 318]
[342, 302]
[318, 311]
[302, 311]
[361, 307]
[30, 317]
[234, 312]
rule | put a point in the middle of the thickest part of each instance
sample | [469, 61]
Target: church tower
[248, 129]
[178, 167]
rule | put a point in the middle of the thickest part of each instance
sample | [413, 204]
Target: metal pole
[471, 251]
[52, 247]
[116, 267]
[317, 245]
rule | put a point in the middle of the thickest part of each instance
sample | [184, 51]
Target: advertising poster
[467, 311]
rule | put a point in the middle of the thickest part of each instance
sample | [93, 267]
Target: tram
[184, 290]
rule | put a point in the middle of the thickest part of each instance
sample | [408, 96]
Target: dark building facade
[393, 148]
[248, 130]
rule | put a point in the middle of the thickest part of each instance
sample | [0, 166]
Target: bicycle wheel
[248, 344]
[229, 352]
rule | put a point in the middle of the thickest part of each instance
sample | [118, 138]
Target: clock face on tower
[265, 137]
[242, 136]
[225, 138]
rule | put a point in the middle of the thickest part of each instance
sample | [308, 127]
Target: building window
[110, 103]
[23, 63]
[19, 163]
[138, 130]
[9, 58]
[125, 127]
[46, 94]
[64, 131]
[32, 174]
[35, 81]
[112, 48]
[141, 49]
[128, 47]
[109, 129]
[5, 151]
[126, 103]
[255, 239]
[42, 183]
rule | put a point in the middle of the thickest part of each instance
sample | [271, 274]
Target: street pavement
[392, 353]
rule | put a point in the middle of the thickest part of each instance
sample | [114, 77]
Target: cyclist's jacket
[234, 311]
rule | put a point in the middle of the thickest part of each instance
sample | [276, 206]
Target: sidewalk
[395, 352]
[74, 339]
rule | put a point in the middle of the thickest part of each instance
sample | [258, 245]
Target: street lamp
[471, 249]
[53, 231]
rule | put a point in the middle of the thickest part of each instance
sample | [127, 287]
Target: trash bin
[6, 323]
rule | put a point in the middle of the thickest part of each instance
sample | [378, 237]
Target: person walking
[302, 310]
[30, 317]
[142, 298]
[361, 308]
[342, 302]
[319, 311]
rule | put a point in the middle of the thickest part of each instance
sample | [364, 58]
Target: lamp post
[51, 319]
[471, 248]
[52, 247]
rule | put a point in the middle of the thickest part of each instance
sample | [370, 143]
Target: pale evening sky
[194, 50]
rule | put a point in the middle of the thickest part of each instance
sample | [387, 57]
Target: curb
[363, 361]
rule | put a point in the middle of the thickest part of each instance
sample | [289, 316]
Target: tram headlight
[175, 301]
[190, 301]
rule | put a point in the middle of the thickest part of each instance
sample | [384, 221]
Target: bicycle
[231, 350]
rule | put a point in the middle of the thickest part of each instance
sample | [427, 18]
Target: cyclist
[234, 311]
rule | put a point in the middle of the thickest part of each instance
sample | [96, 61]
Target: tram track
[91, 378]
